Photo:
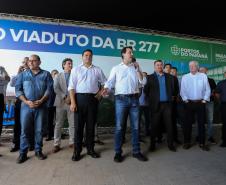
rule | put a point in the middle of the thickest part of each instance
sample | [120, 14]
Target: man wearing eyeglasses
[33, 88]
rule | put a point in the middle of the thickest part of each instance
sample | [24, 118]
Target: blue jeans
[124, 106]
[32, 121]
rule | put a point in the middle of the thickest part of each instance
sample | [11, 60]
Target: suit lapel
[156, 81]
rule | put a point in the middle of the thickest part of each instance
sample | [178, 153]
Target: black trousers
[174, 120]
[181, 113]
[223, 114]
[2, 107]
[194, 109]
[85, 116]
[144, 110]
[50, 123]
[163, 115]
[17, 126]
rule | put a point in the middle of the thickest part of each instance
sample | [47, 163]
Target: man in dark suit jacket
[160, 91]
[176, 100]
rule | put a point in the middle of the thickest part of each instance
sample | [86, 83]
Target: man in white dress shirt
[126, 78]
[83, 86]
[195, 92]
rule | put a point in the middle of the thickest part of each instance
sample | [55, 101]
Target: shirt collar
[163, 74]
[122, 64]
[194, 74]
[29, 70]
[86, 67]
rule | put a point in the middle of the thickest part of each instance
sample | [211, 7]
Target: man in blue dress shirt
[33, 88]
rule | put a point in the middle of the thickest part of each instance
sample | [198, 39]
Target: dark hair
[134, 59]
[54, 71]
[65, 60]
[87, 50]
[168, 64]
[174, 68]
[123, 51]
[37, 57]
[158, 61]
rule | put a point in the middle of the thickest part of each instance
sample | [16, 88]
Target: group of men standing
[77, 91]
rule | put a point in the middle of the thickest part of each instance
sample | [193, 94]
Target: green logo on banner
[188, 53]
[175, 50]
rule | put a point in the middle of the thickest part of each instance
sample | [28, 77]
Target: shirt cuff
[19, 93]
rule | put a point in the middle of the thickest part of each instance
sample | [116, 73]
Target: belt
[164, 102]
[129, 95]
[86, 94]
[195, 101]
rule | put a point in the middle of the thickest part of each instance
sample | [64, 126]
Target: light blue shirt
[34, 86]
[67, 76]
[86, 79]
[143, 100]
[195, 87]
[162, 87]
[13, 81]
